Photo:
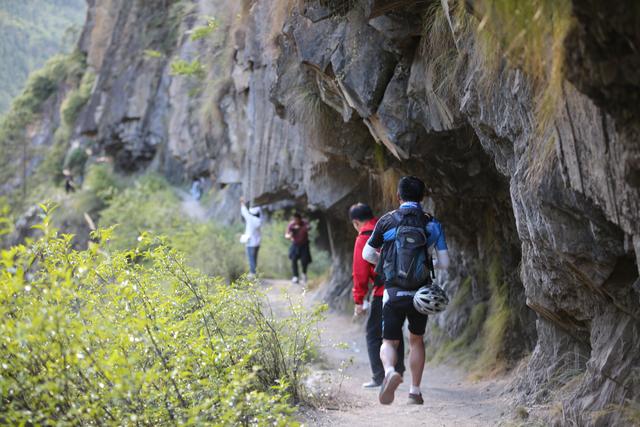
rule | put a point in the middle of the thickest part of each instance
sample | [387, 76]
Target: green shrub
[212, 248]
[180, 67]
[148, 205]
[75, 160]
[76, 99]
[14, 144]
[6, 224]
[100, 186]
[136, 337]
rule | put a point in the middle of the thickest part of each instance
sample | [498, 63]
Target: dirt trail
[191, 207]
[450, 399]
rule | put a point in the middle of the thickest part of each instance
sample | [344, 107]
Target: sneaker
[294, 279]
[371, 384]
[388, 388]
[303, 278]
[416, 399]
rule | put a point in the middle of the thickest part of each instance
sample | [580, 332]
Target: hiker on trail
[252, 234]
[69, 187]
[406, 237]
[364, 222]
[298, 233]
[196, 188]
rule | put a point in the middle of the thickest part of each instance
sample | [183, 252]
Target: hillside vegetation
[31, 31]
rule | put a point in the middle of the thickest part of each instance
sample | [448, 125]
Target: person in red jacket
[364, 222]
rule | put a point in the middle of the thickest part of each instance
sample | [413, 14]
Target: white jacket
[252, 227]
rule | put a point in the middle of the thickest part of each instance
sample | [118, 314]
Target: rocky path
[450, 398]
[191, 207]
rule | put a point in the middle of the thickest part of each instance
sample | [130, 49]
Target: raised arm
[243, 210]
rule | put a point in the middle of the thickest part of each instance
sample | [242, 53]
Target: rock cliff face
[323, 104]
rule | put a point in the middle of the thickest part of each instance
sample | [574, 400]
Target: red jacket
[363, 271]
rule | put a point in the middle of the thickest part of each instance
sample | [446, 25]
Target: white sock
[389, 371]
[414, 389]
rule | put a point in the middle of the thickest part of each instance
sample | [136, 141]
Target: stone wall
[322, 107]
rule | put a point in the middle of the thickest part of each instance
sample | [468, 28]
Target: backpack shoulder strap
[397, 215]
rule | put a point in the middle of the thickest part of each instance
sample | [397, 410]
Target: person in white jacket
[252, 234]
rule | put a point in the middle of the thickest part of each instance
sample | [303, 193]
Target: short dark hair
[297, 215]
[360, 212]
[411, 189]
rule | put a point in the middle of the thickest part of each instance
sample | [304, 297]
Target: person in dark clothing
[398, 303]
[68, 184]
[364, 275]
[298, 233]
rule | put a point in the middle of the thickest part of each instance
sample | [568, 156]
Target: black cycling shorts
[399, 307]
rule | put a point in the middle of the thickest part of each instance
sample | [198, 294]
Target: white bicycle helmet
[430, 299]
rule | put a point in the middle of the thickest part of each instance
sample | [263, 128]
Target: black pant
[294, 267]
[302, 253]
[374, 341]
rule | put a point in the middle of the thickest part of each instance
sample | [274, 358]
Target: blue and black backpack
[406, 261]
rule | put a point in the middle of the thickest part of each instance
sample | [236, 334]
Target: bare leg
[416, 358]
[392, 379]
[388, 353]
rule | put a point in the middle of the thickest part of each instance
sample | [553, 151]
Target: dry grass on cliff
[493, 36]
[440, 47]
[531, 36]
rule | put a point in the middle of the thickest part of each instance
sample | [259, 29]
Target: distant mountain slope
[30, 32]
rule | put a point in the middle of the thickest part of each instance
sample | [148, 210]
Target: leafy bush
[6, 224]
[212, 248]
[180, 67]
[101, 185]
[149, 204]
[136, 337]
[76, 99]
[14, 144]
[76, 159]
[30, 33]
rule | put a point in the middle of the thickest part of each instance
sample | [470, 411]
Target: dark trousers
[302, 253]
[252, 255]
[294, 266]
[374, 341]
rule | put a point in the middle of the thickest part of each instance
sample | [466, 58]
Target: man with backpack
[364, 222]
[405, 237]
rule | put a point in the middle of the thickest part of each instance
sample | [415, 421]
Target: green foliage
[14, 149]
[30, 33]
[180, 67]
[6, 224]
[100, 187]
[150, 53]
[53, 163]
[136, 337]
[149, 204]
[204, 31]
[76, 99]
[75, 160]
[212, 248]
